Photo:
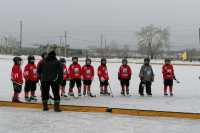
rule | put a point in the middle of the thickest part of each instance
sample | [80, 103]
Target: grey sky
[46, 20]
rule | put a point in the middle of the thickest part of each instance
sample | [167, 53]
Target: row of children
[75, 74]
[86, 73]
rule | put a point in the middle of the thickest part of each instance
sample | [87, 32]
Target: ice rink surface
[186, 99]
[36, 121]
[186, 94]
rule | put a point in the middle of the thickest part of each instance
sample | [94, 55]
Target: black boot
[27, 99]
[122, 93]
[127, 93]
[91, 95]
[101, 93]
[141, 94]
[45, 106]
[57, 106]
[149, 94]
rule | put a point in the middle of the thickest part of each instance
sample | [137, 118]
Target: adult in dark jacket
[51, 73]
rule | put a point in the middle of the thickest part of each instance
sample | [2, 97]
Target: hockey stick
[177, 81]
[110, 90]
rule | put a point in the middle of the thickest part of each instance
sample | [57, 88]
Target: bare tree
[151, 40]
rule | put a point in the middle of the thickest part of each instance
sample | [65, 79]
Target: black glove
[174, 78]
[119, 77]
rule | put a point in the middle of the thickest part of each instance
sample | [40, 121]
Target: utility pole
[20, 36]
[60, 40]
[199, 35]
[101, 45]
[105, 48]
[65, 47]
[60, 45]
[1, 41]
[105, 43]
[6, 40]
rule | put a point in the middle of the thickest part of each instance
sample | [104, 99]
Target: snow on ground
[36, 121]
[186, 98]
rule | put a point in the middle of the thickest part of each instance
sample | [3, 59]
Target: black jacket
[50, 70]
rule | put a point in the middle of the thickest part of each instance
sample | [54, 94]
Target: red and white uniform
[75, 71]
[103, 73]
[16, 74]
[125, 72]
[88, 72]
[65, 72]
[168, 71]
[30, 72]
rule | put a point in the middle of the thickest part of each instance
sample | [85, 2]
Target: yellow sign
[184, 56]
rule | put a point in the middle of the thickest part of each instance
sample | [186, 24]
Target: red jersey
[103, 72]
[125, 72]
[168, 71]
[88, 72]
[30, 72]
[75, 71]
[16, 74]
[65, 72]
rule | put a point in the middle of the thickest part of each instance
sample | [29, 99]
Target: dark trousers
[45, 87]
[146, 84]
[73, 82]
[124, 82]
[17, 87]
[30, 86]
[104, 83]
[168, 82]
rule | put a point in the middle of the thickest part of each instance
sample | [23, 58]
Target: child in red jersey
[168, 76]
[87, 76]
[31, 79]
[75, 76]
[17, 78]
[124, 75]
[65, 77]
[103, 77]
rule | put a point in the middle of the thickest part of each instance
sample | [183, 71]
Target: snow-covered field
[186, 99]
[35, 121]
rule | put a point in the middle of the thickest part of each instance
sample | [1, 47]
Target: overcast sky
[46, 20]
